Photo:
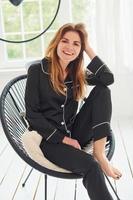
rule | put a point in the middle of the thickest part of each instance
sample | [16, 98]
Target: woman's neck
[63, 64]
[64, 67]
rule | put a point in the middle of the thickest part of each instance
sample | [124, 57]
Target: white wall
[114, 36]
[6, 76]
[122, 97]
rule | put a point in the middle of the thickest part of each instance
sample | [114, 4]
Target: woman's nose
[70, 47]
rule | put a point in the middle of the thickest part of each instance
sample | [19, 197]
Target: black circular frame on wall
[16, 2]
[28, 40]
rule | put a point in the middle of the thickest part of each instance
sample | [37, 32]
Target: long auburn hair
[76, 66]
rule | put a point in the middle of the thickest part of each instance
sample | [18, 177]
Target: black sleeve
[34, 117]
[98, 73]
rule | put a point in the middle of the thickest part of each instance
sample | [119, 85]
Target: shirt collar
[45, 62]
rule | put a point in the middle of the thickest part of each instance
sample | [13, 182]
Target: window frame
[5, 63]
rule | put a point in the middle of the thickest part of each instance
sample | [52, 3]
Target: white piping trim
[68, 82]
[51, 135]
[99, 68]
[88, 72]
[43, 69]
[100, 124]
[64, 113]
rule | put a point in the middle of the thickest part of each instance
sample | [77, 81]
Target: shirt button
[62, 123]
[65, 89]
[68, 131]
[62, 106]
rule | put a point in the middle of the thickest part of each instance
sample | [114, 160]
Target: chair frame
[7, 91]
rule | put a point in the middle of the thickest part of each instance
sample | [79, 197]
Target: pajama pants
[91, 122]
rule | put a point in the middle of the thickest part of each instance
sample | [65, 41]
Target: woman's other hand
[71, 142]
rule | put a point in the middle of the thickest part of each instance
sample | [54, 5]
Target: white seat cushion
[31, 141]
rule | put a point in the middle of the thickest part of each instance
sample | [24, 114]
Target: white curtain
[114, 40]
[114, 32]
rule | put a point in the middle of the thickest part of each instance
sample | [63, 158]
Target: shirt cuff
[95, 65]
[55, 137]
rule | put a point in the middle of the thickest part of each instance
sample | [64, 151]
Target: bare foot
[108, 169]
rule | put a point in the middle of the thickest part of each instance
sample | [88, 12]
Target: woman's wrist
[90, 52]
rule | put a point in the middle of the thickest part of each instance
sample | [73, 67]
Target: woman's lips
[67, 53]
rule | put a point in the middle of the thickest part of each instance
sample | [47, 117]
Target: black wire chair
[12, 109]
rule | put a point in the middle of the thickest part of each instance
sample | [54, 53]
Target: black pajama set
[55, 115]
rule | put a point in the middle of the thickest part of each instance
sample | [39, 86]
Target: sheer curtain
[114, 39]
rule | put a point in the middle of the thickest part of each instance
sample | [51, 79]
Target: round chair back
[12, 107]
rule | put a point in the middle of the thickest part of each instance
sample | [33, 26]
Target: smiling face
[69, 47]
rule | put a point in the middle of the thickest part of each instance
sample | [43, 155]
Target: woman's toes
[114, 173]
[109, 170]
[117, 173]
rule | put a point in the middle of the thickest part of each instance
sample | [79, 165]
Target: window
[29, 19]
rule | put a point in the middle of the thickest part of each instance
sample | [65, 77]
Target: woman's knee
[102, 88]
[99, 90]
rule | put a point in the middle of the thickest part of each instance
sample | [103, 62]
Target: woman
[54, 88]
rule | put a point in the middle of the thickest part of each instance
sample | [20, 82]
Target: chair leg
[118, 198]
[45, 189]
[75, 193]
[23, 184]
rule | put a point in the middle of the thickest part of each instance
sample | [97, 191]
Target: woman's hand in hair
[88, 50]
[71, 142]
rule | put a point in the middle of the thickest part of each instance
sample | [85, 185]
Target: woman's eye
[64, 41]
[76, 44]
